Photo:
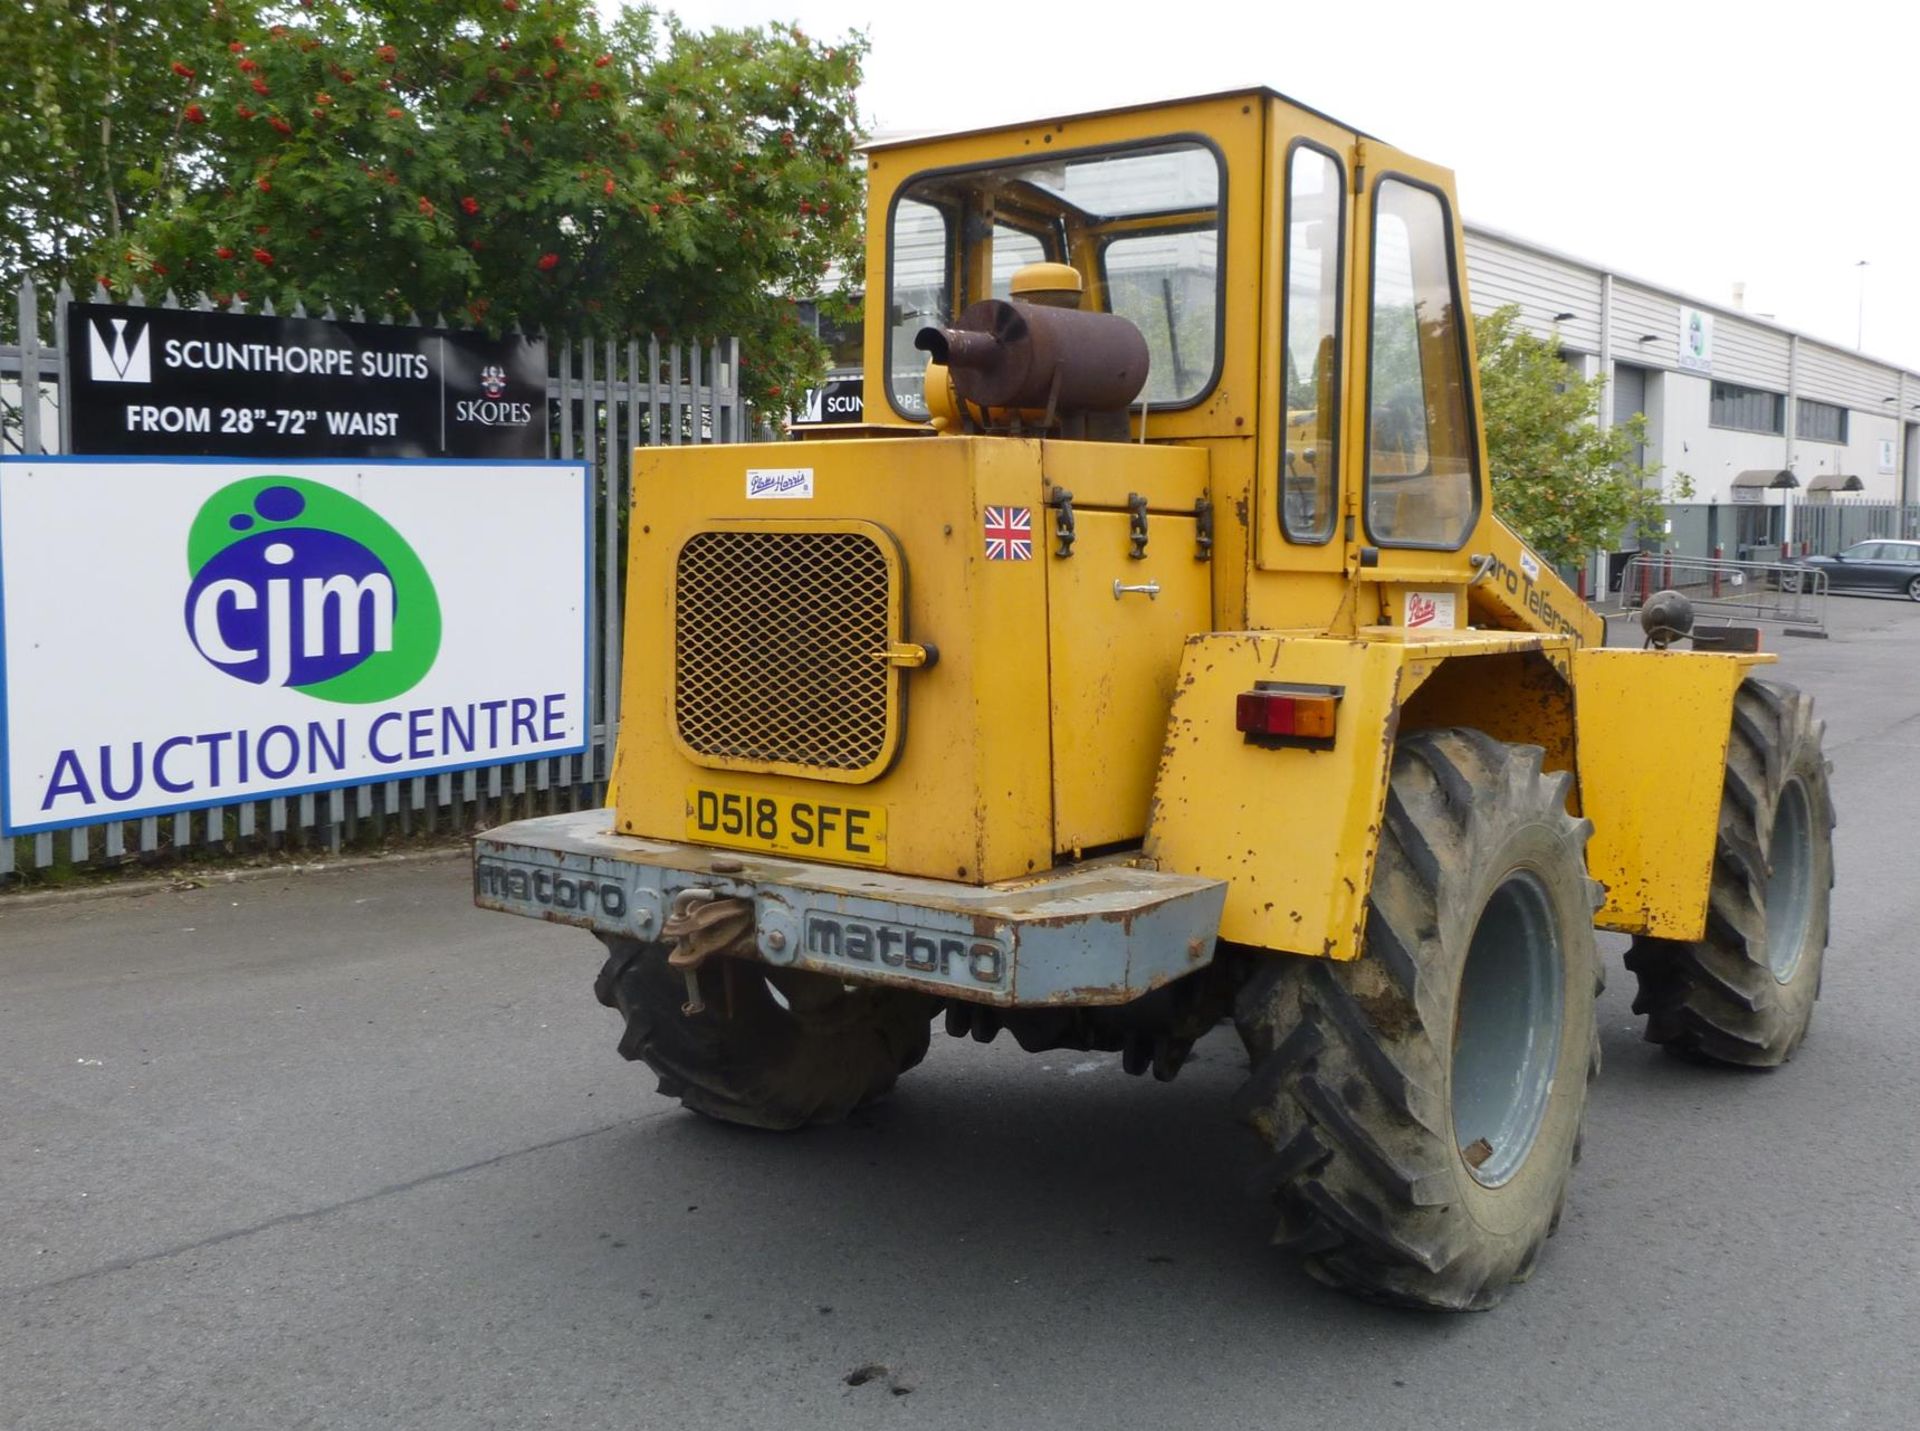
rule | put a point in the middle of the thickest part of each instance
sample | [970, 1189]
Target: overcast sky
[1694, 145]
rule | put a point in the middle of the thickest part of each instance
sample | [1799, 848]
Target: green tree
[503, 161]
[94, 98]
[1559, 479]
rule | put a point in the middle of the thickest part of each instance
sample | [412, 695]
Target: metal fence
[1726, 592]
[1806, 524]
[604, 398]
[1823, 528]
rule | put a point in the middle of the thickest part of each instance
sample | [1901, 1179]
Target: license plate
[807, 828]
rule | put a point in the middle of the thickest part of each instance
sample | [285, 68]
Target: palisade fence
[1809, 524]
[1823, 528]
[604, 397]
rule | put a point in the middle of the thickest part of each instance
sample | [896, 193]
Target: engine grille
[777, 636]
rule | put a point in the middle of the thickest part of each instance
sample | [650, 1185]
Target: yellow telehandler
[1152, 656]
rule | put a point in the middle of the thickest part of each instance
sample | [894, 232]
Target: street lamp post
[1860, 318]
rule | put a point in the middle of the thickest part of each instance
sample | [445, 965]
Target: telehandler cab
[1152, 657]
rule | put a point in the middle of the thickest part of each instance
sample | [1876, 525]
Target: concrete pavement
[339, 1151]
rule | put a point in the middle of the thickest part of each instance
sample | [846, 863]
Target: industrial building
[1764, 421]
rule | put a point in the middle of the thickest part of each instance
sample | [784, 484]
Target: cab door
[1416, 463]
[1306, 331]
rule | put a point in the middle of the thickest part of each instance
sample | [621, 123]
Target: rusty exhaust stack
[1022, 355]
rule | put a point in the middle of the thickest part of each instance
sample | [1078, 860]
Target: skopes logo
[491, 411]
[298, 585]
[112, 358]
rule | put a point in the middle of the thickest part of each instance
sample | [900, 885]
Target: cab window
[1013, 250]
[1422, 480]
[1143, 224]
[1310, 323]
[919, 293]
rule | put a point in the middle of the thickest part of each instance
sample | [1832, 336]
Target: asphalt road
[336, 1150]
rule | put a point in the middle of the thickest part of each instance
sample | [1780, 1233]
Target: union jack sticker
[1009, 533]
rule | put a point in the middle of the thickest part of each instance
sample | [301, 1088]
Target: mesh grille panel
[775, 638]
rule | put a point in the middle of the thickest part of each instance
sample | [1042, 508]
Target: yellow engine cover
[870, 652]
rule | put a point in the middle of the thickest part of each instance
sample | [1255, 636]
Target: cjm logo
[298, 585]
[330, 619]
[112, 358]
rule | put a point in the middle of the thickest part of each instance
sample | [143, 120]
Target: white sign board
[780, 483]
[1886, 455]
[1428, 608]
[183, 633]
[1696, 341]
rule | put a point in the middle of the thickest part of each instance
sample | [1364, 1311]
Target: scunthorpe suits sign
[177, 382]
[204, 632]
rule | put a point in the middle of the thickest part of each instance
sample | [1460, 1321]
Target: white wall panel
[1858, 457]
[1835, 375]
[1749, 353]
[1500, 272]
[1640, 312]
[1711, 456]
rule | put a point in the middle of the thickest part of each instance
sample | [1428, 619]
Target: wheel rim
[1789, 880]
[1913, 589]
[1507, 1030]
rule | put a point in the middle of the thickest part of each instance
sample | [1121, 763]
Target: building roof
[1692, 300]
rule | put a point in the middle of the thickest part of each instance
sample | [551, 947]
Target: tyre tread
[1716, 999]
[1346, 1080]
[753, 1062]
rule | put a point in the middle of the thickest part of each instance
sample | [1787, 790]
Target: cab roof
[1261, 92]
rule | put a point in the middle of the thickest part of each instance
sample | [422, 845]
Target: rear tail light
[1276, 714]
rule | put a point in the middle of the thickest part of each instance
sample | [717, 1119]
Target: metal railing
[605, 397]
[1726, 592]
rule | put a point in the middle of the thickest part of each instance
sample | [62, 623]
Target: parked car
[1872, 566]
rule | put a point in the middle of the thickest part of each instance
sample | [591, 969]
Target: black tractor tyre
[773, 1048]
[1744, 994]
[1423, 1103]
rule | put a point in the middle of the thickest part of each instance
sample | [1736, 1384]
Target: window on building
[1747, 409]
[1819, 421]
